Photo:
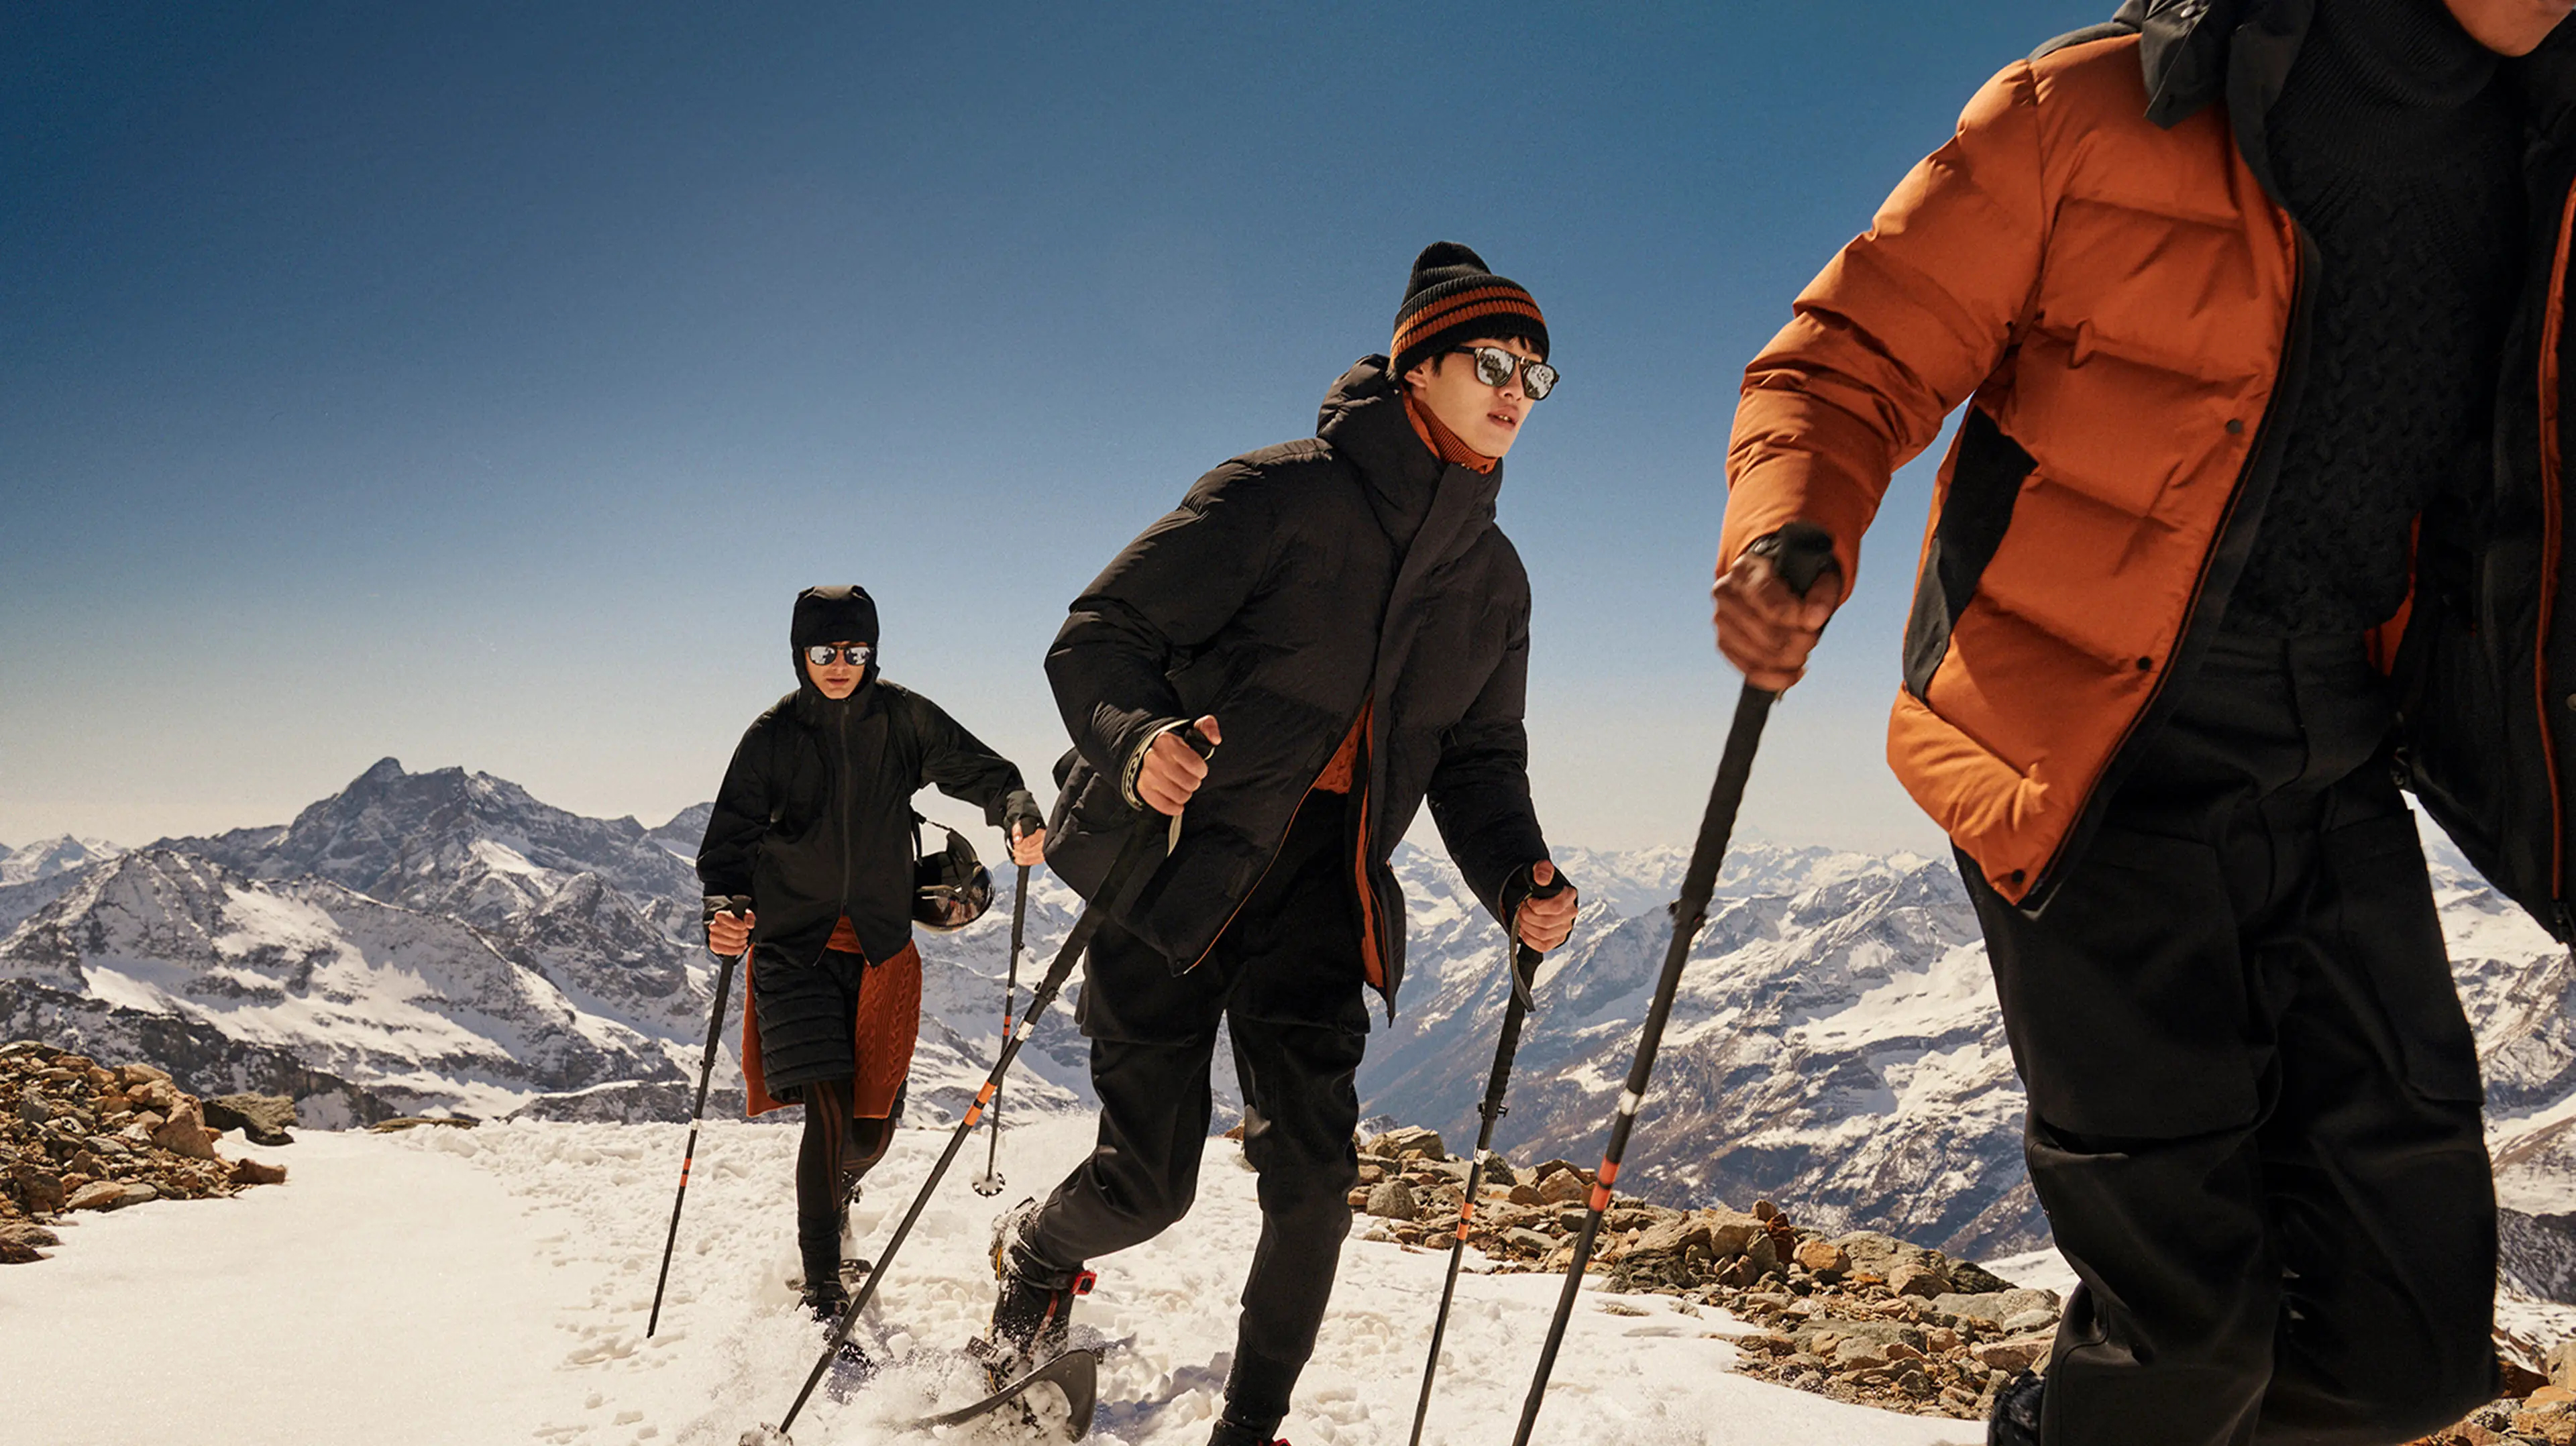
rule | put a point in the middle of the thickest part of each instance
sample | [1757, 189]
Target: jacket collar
[1363, 420]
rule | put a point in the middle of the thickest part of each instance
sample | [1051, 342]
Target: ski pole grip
[1800, 552]
[1198, 742]
[714, 904]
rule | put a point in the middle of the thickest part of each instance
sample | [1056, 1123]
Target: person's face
[838, 678]
[1485, 418]
[2510, 27]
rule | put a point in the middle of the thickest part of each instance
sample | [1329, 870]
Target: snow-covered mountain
[444, 939]
[1836, 1044]
[46, 858]
[36, 875]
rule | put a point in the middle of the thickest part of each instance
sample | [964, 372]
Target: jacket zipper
[2551, 520]
[1267, 863]
[846, 801]
[2293, 359]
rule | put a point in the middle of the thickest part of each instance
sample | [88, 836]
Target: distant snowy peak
[686, 830]
[415, 1007]
[46, 858]
[449, 841]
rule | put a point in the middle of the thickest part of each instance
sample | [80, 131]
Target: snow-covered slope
[526, 1253]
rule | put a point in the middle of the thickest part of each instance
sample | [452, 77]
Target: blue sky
[476, 384]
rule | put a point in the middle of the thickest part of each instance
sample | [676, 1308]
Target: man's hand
[1173, 770]
[1765, 629]
[729, 933]
[1028, 849]
[1543, 923]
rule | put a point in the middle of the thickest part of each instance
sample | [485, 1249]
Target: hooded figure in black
[815, 824]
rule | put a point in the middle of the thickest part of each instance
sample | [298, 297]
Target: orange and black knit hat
[1452, 298]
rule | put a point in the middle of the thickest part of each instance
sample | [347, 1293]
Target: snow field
[449, 1286]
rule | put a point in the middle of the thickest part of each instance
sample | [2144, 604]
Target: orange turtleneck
[1447, 445]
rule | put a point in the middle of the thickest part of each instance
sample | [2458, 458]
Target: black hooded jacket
[815, 816]
[1291, 587]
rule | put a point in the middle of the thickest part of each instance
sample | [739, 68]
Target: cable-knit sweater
[2396, 148]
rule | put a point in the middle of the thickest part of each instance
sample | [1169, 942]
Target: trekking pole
[1525, 962]
[990, 1183]
[1799, 552]
[736, 905]
[1131, 856]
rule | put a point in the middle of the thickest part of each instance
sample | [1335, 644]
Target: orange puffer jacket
[2119, 304]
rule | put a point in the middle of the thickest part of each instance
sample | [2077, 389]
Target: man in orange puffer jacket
[2240, 528]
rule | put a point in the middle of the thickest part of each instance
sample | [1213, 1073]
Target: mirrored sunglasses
[1494, 366]
[822, 654]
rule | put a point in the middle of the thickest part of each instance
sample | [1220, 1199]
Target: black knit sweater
[2397, 149]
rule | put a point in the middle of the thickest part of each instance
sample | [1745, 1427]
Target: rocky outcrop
[191, 1050]
[1858, 1316]
[262, 1119]
[78, 1135]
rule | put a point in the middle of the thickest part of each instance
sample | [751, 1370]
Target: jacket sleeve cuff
[1135, 764]
[1020, 812]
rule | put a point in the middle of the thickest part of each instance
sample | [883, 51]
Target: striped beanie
[1452, 298]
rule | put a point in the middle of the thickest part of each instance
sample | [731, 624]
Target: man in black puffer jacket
[1343, 617]
[815, 823]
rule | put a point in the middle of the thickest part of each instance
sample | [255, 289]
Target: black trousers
[2254, 1099]
[1287, 979]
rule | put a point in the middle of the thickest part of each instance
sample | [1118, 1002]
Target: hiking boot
[2015, 1418]
[826, 1300]
[1231, 1432]
[1033, 1309]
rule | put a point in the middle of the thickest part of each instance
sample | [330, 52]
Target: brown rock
[185, 1132]
[1672, 1237]
[41, 1191]
[2016, 1354]
[2518, 1380]
[247, 1171]
[141, 1074]
[14, 1251]
[1761, 1257]
[1235, 1134]
[2562, 1365]
[1822, 1258]
[1409, 1139]
[1565, 1187]
[1729, 1231]
[1763, 1210]
[101, 1195]
[1917, 1279]
[1527, 1194]
[1393, 1200]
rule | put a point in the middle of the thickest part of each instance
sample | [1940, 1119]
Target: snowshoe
[1032, 1312]
[1076, 1373]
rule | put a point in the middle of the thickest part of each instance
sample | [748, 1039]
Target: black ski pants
[1286, 978]
[2254, 1099]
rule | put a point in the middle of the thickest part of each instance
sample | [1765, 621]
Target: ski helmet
[951, 888]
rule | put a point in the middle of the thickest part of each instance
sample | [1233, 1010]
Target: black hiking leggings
[836, 1152]
[2254, 1101]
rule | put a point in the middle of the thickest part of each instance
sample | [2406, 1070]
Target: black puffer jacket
[815, 816]
[1290, 587]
